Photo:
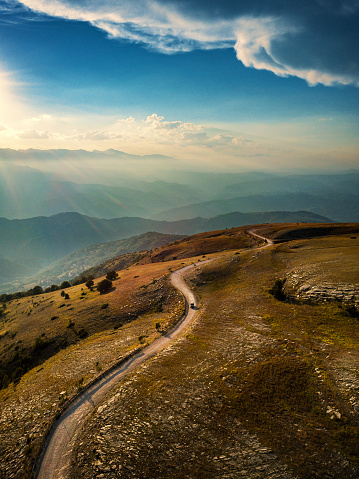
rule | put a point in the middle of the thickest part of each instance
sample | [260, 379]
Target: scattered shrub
[37, 290]
[16, 375]
[104, 286]
[351, 310]
[40, 344]
[104, 306]
[82, 333]
[158, 307]
[277, 290]
[112, 275]
[4, 380]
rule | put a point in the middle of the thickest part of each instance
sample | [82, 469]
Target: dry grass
[291, 231]
[142, 298]
[246, 394]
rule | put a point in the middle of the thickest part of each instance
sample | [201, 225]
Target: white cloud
[41, 118]
[154, 131]
[264, 36]
[34, 135]
[255, 38]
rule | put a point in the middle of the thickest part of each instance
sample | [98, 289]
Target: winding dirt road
[56, 458]
[268, 241]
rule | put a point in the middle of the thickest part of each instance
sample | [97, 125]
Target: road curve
[269, 241]
[56, 457]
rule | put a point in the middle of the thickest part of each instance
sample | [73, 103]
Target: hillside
[72, 265]
[258, 386]
[196, 245]
[42, 240]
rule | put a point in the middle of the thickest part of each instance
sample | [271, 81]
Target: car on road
[192, 306]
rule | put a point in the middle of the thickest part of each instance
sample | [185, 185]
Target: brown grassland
[247, 393]
[257, 388]
[115, 324]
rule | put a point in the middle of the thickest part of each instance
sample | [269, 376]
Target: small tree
[104, 286]
[65, 284]
[90, 283]
[37, 290]
[112, 275]
[277, 290]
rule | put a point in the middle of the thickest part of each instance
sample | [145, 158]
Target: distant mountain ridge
[340, 207]
[173, 195]
[26, 192]
[56, 236]
[38, 242]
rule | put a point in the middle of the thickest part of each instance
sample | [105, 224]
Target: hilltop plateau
[263, 384]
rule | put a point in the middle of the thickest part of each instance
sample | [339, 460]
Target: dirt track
[55, 461]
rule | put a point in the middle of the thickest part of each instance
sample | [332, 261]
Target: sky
[243, 84]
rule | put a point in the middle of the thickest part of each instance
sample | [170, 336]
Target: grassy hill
[257, 387]
[196, 245]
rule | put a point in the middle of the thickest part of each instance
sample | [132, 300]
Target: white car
[192, 306]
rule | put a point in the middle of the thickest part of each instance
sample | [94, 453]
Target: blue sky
[260, 84]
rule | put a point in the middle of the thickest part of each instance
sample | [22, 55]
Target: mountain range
[32, 244]
[27, 192]
[54, 203]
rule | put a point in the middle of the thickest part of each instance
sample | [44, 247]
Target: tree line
[103, 286]
[36, 290]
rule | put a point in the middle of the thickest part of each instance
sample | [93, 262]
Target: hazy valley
[50, 214]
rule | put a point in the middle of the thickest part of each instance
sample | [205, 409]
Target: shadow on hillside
[109, 291]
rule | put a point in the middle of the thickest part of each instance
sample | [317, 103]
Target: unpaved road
[56, 458]
[269, 241]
